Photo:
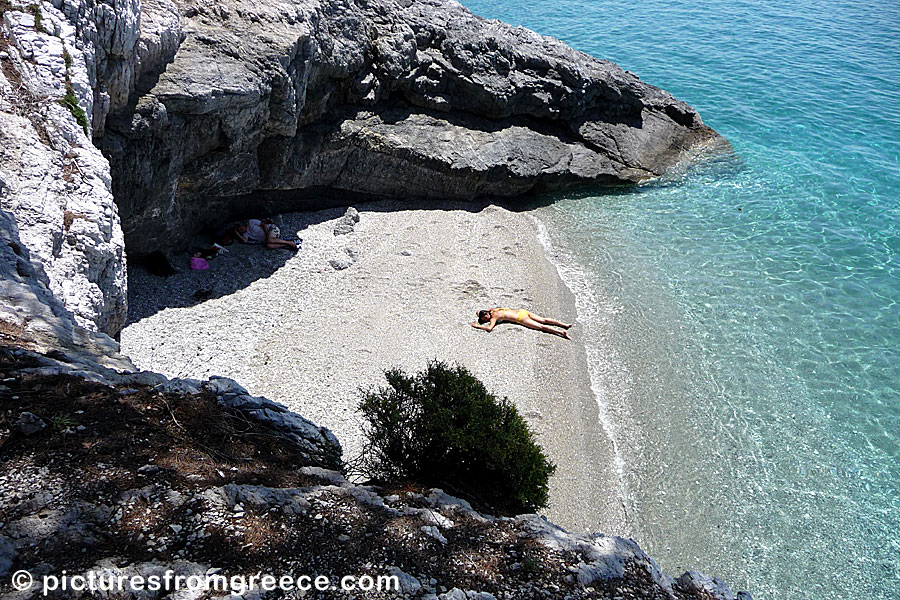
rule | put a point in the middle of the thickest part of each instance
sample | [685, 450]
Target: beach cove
[749, 311]
[175, 118]
[408, 283]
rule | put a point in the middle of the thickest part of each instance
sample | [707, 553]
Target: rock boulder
[274, 104]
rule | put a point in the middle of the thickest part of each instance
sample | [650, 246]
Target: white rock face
[53, 180]
[27, 304]
[121, 40]
[107, 34]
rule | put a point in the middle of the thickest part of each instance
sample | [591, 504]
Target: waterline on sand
[591, 310]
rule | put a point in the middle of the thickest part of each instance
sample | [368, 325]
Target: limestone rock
[289, 501]
[121, 42]
[458, 594]
[55, 183]
[409, 585]
[711, 587]
[305, 104]
[333, 477]
[346, 223]
[318, 445]
[606, 558]
[28, 305]
[29, 424]
[434, 532]
[340, 263]
[343, 227]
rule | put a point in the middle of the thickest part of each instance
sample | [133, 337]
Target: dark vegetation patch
[442, 428]
[69, 217]
[71, 102]
[25, 103]
[13, 333]
[35, 10]
[183, 435]
[9, 70]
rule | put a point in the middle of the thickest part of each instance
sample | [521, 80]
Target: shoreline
[311, 336]
[570, 275]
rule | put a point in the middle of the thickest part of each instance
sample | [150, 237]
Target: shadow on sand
[244, 264]
[235, 269]
[241, 264]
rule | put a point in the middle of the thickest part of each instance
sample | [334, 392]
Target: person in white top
[255, 231]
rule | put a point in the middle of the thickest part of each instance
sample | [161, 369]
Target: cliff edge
[200, 478]
[274, 105]
[208, 111]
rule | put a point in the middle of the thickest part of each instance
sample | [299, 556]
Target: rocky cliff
[208, 110]
[273, 104]
[54, 183]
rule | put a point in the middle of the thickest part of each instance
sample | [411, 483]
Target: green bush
[35, 9]
[443, 428]
[71, 102]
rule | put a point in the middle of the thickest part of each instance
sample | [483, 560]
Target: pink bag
[199, 264]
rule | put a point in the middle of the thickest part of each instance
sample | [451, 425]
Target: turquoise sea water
[743, 320]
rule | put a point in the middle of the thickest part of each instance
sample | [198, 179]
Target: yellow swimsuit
[520, 316]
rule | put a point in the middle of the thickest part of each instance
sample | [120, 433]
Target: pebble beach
[396, 289]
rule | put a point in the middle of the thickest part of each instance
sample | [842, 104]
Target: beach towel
[199, 264]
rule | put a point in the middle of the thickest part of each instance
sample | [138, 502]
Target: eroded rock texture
[63, 66]
[273, 104]
[54, 183]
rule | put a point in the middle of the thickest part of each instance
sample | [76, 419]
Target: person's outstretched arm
[487, 327]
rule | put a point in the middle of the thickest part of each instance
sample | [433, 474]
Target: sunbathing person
[520, 317]
[255, 231]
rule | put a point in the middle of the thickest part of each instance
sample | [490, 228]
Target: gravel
[407, 283]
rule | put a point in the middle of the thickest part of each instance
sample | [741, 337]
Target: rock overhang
[379, 98]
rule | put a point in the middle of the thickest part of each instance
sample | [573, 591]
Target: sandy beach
[298, 330]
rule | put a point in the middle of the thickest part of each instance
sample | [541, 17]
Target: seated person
[255, 231]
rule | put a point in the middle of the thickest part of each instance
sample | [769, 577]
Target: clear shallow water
[743, 321]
